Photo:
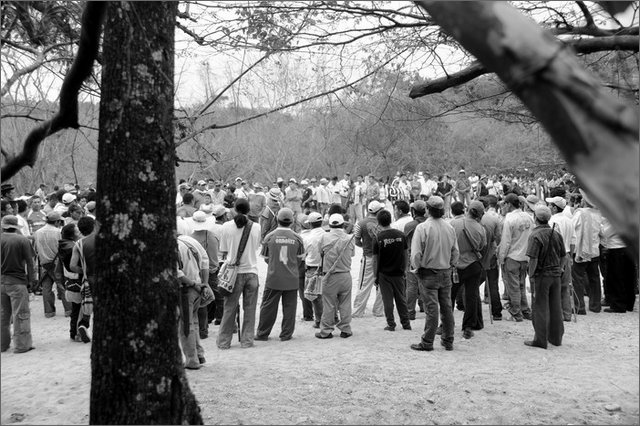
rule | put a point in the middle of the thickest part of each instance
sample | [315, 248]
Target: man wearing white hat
[365, 233]
[269, 215]
[463, 188]
[311, 240]
[563, 225]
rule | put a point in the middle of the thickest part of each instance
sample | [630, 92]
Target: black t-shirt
[390, 246]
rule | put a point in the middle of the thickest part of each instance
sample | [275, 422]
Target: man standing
[401, 211]
[283, 250]
[344, 186]
[390, 263]
[429, 187]
[434, 251]
[257, 202]
[372, 190]
[269, 216]
[419, 208]
[463, 188]
[492, 222]
[545, 250]
[359, 197]
[17, 274]
[336, 249]
[564, 226]
[217, 194]
[313, 260]
[46, 245]
[365, 234]
[512, 256]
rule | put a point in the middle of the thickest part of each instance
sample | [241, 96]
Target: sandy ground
[371, 378]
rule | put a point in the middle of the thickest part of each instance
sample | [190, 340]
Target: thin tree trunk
[137, 373]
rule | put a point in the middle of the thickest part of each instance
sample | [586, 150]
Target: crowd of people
[425, 239]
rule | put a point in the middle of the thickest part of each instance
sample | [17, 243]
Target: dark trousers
[269, 312]
[215, 309]
[621, 280]
[203, 321]
[586, 280]
[393, 289]
[307, 305]
[77, 319]
[491, 280]
[547, 310]
[470, 278]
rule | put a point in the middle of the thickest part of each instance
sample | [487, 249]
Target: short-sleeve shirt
[390, 246]
[284, 251]
[547, 246]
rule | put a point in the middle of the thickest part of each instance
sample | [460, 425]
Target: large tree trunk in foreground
[136, 363]
[596, 133]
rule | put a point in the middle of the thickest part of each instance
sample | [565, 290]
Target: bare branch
[67, 115]
[587, 14]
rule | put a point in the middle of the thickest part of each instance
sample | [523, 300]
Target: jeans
[247, 287]
[269, 312]
[14, 304]
[515, 275]
[336, 294]
[191, 344]
[317, 302]
[48, 298]
[367, 282]
[547, 310]
[412, 293]
[392, 289]
[435, 290]
[586, 279]
[491, 282]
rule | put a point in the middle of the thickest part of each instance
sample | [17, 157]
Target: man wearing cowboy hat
[17, 257]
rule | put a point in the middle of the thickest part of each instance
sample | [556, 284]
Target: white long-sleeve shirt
[564, 227]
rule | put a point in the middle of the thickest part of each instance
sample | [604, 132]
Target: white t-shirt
[230, 240]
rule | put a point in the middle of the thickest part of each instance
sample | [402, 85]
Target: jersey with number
[283, 250]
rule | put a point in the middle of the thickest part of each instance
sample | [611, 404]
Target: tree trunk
[596, 133]
[137, 375]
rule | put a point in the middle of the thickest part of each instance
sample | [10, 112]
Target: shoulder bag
[229, 271]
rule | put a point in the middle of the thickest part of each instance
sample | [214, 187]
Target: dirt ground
[370, 378]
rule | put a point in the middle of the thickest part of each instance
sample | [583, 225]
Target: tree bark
[596, 133]
[137, 373]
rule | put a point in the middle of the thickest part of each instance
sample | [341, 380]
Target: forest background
[302, 89]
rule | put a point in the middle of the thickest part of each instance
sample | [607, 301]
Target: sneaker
[84, 334]
[421, 347]
[447, 346]
[390, 328]
[345, 335]
[467, 333]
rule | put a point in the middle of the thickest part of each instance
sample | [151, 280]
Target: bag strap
[243, 241]
[344, 248]
[466, 234]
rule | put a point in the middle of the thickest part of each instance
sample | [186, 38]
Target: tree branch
[587, 15]
[67, 115]
[583, 46]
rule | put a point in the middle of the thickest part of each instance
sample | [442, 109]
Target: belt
[312, 267]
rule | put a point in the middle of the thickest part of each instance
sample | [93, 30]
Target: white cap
[68, 198]
[375, 206]
[336, 219]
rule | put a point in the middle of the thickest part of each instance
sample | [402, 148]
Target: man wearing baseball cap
[546, 251]
[563, 225]
[17, 274]
[312, 260]
[336, 250]
[365, 233]
[283, 250]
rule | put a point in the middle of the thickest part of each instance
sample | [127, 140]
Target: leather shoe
[202, 360]
[447, 346]
[345, 335]
[421, 347]
[582, 312]
[533, 344]
[284, 339]
[321, 336]
[497, 318]
[389, 328]
[467, 333]
[613, 311]
[261, 338]
[406, 327]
